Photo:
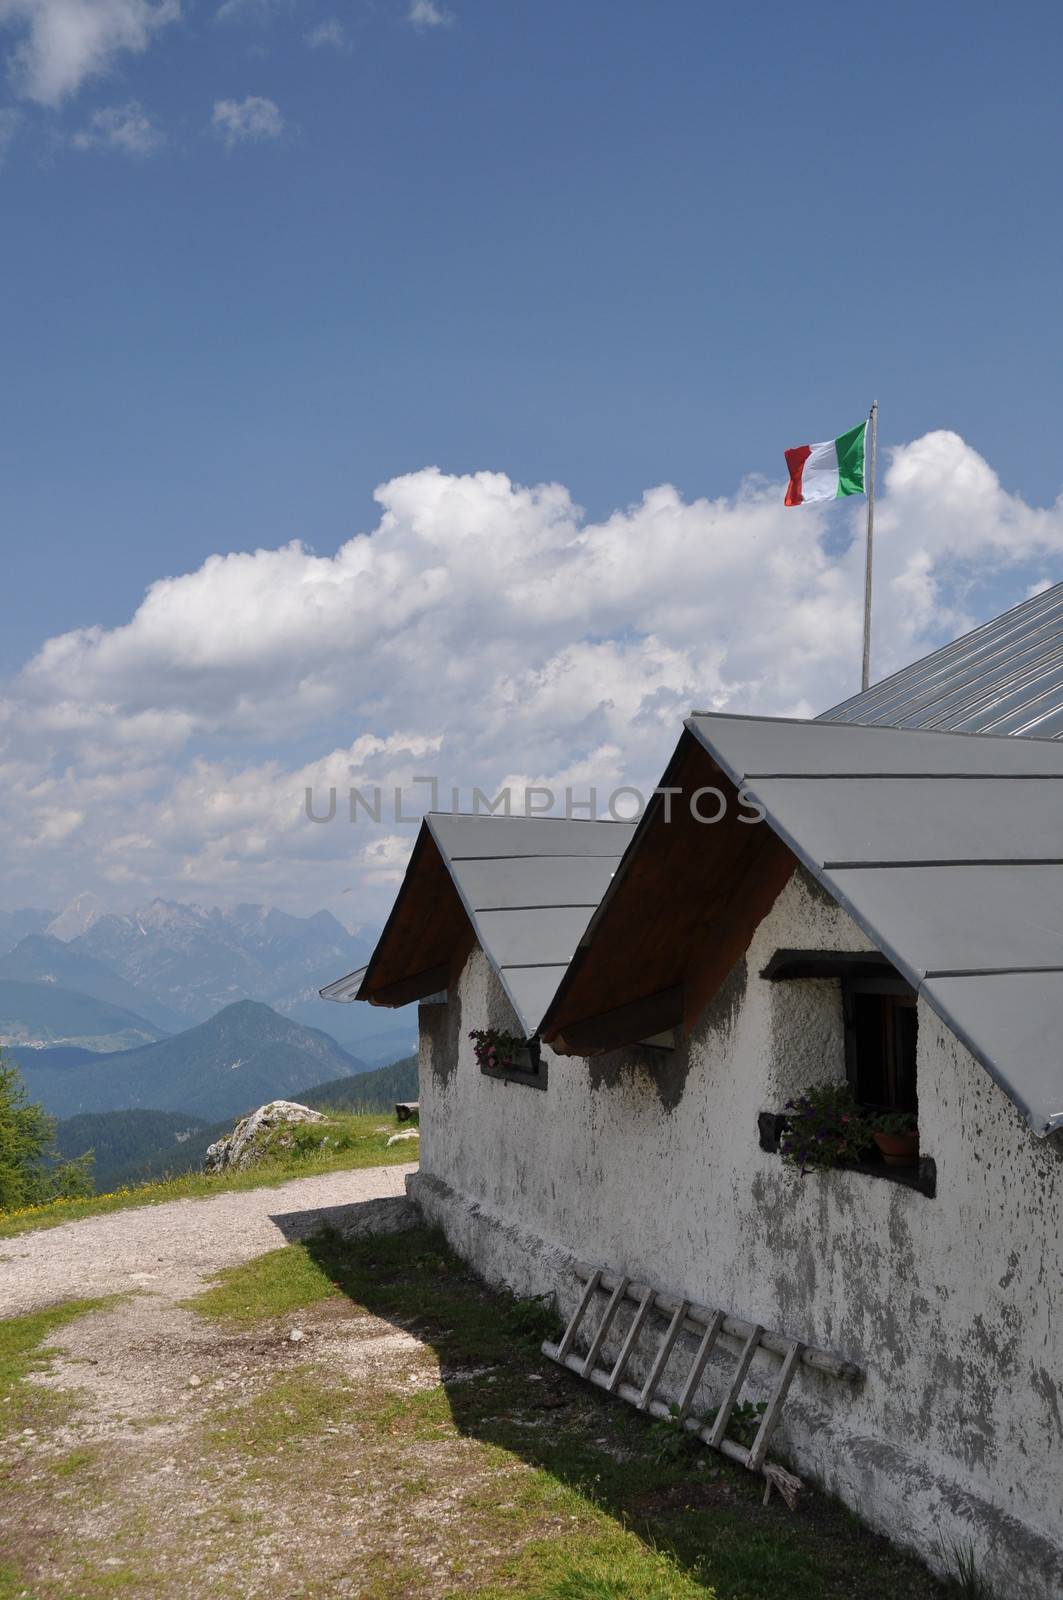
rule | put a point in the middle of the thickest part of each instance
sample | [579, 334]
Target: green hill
[48, 1014]
[132, 1146]
[369, 1091]
[241, 1058]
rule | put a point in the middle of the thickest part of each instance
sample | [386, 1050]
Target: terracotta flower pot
[899, 1149]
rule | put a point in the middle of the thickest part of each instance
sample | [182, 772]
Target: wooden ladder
[707, 1325]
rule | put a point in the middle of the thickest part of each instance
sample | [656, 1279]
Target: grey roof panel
[529, 885]
[954, 919]
[472, 836]
[534, 880]
[879, 797]
[531, 990]
[978, 819]
[778, 747]
[543, 937]
[1005, 677]
[1017, 1016]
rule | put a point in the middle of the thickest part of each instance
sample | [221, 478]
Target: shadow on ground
[701, 1511]
[393, 1214]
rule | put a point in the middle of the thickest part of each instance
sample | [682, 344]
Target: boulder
[259, 1135]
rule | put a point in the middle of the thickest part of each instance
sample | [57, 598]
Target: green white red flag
[827, 471]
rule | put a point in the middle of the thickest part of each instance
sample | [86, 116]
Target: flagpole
[873, 432]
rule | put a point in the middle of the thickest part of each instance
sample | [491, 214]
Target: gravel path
[169, 1249]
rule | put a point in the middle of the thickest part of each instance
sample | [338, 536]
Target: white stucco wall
[950, 1304]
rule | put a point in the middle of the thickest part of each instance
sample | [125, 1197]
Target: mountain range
[42, 959]
[171, 964]
[245, 1055]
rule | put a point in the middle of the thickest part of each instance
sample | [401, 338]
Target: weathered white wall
[951, 1305]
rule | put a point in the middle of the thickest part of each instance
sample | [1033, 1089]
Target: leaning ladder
[707, 1325]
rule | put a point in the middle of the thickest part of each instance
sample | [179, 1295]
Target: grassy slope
[355, 1141]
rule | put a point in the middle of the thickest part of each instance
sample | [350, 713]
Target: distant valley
[245, 1055]
[41, 1014]
[147, 1033]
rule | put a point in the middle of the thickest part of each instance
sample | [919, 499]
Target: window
[881, 1038]
[506, 1056]
[880, 1043]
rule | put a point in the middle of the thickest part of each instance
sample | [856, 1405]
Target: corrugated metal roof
[948, 851]
[529, 886]
[1005, 677]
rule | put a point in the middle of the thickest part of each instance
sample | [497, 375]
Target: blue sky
[259, 259]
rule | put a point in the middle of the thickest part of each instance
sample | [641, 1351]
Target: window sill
[923, 1178]
[536, 1078]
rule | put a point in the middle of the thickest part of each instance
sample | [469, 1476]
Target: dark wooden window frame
[858, 973]
[888, 987]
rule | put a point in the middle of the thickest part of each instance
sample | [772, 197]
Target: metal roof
[1004, 677]
[947, 849]
[345, 988]
[529, 886]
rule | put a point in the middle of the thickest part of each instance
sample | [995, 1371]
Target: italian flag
[827, 471]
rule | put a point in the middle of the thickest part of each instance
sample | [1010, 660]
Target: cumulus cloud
[127, 128]
[330, 35]
[247, 121]
[61, 43]
[426, 14]
[484, 632]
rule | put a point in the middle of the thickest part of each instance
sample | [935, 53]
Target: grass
[288, 1413]
[22, 1352]
[555, 1492]
[609, 1564]
[269, 1286]
[354, 1141]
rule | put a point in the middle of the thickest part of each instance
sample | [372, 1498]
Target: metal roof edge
[526, 816]
[343, 999]
[868, 727]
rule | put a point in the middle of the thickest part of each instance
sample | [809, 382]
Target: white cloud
[254, 11]
[482, 631]
[329, 34]
[426, 14]
[127, 128]
[63, 42]
[247, 121]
